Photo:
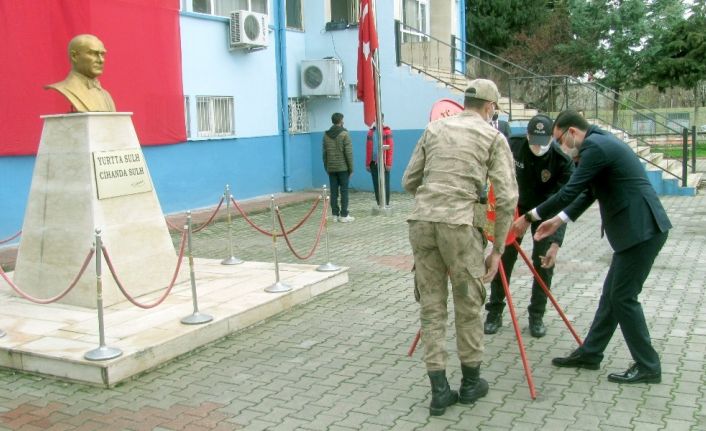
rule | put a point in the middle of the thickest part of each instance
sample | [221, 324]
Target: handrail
[550, 86]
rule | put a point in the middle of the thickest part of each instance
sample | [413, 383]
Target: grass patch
[675, 152]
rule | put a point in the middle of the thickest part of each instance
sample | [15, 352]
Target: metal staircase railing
[451, 63]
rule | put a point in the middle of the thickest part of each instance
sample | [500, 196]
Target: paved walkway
[339, 362]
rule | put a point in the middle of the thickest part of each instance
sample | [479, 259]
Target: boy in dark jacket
[338, 162]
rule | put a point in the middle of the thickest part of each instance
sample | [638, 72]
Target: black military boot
[493, 322]
[536, 326]
[441, 394]
[472, 386]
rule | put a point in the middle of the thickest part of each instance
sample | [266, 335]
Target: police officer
[541, 169]
[446, 174]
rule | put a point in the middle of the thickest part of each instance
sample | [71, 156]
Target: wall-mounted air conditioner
[247, 30]
[321, 77]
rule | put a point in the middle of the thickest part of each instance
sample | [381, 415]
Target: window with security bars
[298, 115]
[187, 116]
[344, 11]
[643, 124]
[678, 120]
[294, 14]
[215, 116]
[224, 7]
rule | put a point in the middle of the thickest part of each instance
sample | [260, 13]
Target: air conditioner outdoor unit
[248, 30]
[321, 77]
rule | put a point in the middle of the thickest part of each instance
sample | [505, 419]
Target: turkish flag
[367, 44]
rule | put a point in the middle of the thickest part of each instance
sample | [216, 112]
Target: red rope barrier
[269, 233]
[318, 234]
[54, 298]
[169, 288]
[203, 226]
[3, 241]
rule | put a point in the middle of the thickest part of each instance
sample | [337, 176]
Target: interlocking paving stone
[339, 361]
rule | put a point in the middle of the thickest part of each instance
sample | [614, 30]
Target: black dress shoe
[575, 360]
[493, 322]
[536, 326]
[635, 374]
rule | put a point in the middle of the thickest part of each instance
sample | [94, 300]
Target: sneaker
[332, 219]
[346, 219]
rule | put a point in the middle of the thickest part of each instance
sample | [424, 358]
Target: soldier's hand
[491, 266]
[547, 228]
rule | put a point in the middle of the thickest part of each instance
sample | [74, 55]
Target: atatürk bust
[81, 86]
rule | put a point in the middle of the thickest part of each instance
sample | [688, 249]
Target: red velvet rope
[203, 226]
[166, 292]
[57, 297]
[318, 234]
[3, 241]
[269, 233]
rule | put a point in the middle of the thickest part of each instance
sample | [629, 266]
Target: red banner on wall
[142, 69]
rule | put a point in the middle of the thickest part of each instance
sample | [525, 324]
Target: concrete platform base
[52, 339]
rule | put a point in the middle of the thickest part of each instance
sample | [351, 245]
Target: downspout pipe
[282, 91]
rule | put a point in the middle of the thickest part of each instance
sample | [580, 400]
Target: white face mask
[573, 151]
[540, 150]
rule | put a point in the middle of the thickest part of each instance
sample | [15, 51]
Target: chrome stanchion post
[328, 266]
[232, 260]
[103, 352]
[196, 317]
[278, 287]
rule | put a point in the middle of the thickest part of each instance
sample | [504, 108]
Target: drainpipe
[462, 36]
[282, 92]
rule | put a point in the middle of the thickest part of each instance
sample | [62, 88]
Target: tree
[608, 39]
[541, 52]
[492, 24]
[676, 55]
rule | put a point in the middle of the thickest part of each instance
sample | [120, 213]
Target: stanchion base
[232, 261]
[2, 333]
[278, 287]
[196, 319]
[328, 267]
[103, 353]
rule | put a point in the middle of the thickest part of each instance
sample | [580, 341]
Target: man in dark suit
[636, 225]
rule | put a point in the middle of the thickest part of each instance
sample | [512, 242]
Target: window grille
[643, 124]
[678, 120]
[224, 7]
[294, 14]
[215, 116]
[345, 10]
[298, 115]
[187, 116]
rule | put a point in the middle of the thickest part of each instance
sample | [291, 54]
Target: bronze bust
[81, 86]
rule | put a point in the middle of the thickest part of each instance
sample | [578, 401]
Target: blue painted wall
[405, 140]
[15, 181]
[192, 175]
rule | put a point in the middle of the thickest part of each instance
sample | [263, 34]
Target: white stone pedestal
[64, 209]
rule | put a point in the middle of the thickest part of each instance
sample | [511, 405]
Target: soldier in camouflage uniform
[446, 174]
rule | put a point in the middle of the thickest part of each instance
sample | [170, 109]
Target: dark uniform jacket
[610, 172]
[540, 177]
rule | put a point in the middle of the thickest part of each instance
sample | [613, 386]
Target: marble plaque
[120, 173]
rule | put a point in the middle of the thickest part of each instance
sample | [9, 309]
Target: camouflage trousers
[443, 251]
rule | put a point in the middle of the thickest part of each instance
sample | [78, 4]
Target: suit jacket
[609, 171]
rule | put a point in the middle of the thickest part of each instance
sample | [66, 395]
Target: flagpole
[383, 208]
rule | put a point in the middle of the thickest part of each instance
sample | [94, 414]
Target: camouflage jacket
[450, 166]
